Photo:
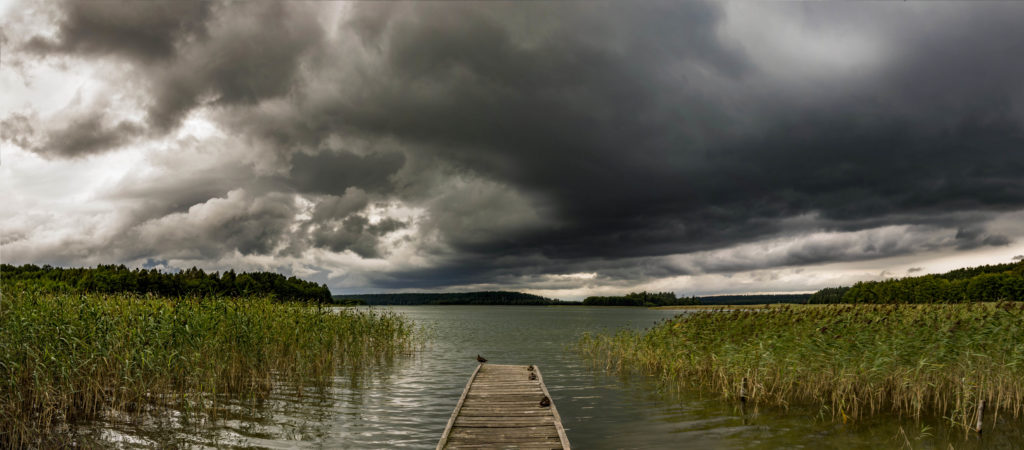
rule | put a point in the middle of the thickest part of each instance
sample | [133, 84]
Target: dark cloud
[632, 141]
[191, 53]
[914, 270]
[355, 233]
[145, 31]
[79, 136]
[651, 141]
[633, 138]
[968, 238]
[252, 54]
[331, 172]
[337, 224]
[240, 221]
[89, 135]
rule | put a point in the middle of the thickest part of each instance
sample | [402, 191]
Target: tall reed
[851, 360]
[68, 357]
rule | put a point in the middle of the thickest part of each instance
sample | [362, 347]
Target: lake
[408, 402]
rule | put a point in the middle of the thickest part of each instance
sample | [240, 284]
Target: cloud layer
[382, 146]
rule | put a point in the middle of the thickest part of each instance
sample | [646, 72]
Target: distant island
[457, 298]
[638, 299]
[641, 299]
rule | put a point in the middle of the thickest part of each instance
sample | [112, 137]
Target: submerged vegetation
[849, 360]
[69, 357]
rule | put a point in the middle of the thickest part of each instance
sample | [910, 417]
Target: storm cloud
[459, 145]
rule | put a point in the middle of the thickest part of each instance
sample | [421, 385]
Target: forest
[754, 299]
[989, 283]
[460, 298]
[189, 282]
[642, 299]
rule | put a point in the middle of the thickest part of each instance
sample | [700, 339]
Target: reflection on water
[407, 402]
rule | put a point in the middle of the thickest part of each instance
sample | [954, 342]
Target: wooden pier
[501, 408]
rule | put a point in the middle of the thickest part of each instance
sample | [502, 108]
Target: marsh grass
[66, 358]
[848, 360]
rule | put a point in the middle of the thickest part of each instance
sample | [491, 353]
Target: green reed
[850, 360]
[68, 357]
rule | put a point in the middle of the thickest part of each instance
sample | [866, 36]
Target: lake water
[407, 403]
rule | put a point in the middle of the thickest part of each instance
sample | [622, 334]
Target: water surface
[407, 403]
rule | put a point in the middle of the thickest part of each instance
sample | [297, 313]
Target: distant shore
[712, 307]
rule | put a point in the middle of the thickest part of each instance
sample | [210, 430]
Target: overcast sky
[565, 149]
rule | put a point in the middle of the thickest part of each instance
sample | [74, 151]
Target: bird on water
[481, 359]
[545, 401]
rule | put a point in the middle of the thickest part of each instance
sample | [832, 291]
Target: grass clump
[70, 357]
[851, 360]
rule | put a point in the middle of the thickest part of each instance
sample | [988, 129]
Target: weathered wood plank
[537, 444]
[504, 412]
[505, 421]
[523, 446]
[499, 434]
[506, 425]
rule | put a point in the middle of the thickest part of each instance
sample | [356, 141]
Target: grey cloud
[968, 238]
[544, 138]
[252, 54]
[662, 137]
[335, 207]
[355, 233]
[192, 53]
[914, 270]
[145, 31]
[79, 136]
[645, 164]
[333, 172]
[238, 222]
[89, 135]
[18, 129]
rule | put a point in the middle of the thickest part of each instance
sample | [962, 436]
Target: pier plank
[500, 408]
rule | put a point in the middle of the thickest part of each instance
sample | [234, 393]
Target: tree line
[458, 298]
[754, 299]
[641, 299]
[989, 283]
[194, 281]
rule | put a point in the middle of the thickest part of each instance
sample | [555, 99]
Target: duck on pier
[545, 401]
[480, 359]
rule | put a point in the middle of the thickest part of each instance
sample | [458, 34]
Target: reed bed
[849, 360]
[69, 357]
